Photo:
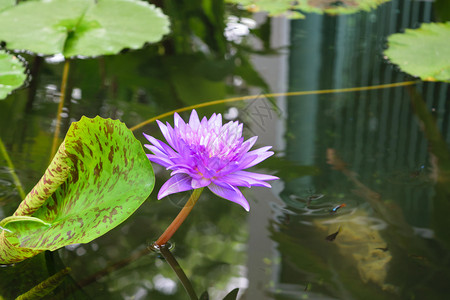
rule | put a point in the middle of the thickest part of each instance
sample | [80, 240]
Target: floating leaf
[12, 73]
[98, 178]
[422, 52]
[291, 8]
[81, 27]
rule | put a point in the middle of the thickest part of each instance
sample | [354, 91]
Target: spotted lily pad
[12, 73]
[81, 27]
[98, 178]
[422, 52]
[294, 9]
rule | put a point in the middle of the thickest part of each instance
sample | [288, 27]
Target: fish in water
[383, 249]
[335, 209]
[333, 236]
[313, 198]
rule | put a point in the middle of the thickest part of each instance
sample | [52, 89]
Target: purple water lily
[208, 154]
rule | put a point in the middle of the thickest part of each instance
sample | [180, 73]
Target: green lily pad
[98, 178]
[12, 73]
[422, 52]
[81, 27]
[291, 8]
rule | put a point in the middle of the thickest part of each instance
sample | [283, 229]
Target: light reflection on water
[280, 249]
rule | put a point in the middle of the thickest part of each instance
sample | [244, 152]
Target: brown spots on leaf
[82, 213]
[70, 235]
[73, 171]
[74, 176]
[97, 170]
[109, 217]
[52, 204]
[116, 170]
[99, 143]
[57, 237]
[109, 128]
[111, 155]
[78, 147]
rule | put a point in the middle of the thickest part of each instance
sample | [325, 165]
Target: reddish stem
[165, 237]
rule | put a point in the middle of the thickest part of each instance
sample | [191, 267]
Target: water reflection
[383, 153]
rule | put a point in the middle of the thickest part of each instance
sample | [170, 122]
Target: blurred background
[371, 152]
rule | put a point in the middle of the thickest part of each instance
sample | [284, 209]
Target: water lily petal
[251, 179]
[159, 160]
[243, 181]
[162, 147]
[215, 121]
[230, 193]
[235, 181]
[178, 121]
[248, 144]
[261, 154]
[177, 183]
[207, 153]
[257, 176]
[194, 122]
[200, 182]
[167, 132]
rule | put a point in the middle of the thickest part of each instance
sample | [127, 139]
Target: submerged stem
[60, 107]
[170, 259]
[165, 237]
[11, 170]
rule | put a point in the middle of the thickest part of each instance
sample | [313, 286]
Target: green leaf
[98, 178]
[12, 73]
[422, 52]
[204, 296]
[232, 295]
[290, 8]
[44, 288]
[81, 27]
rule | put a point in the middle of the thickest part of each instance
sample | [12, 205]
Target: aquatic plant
[12, 73]
[297, 9]
[80, 28]
[422, 52]
[84, 193]
[206, 154]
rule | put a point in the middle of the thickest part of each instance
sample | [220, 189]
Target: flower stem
[165, 237]
[11, 170]
[170, 259]
[60, 108]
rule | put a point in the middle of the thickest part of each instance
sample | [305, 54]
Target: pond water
[379, 155]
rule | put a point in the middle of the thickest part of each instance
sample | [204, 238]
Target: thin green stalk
[272, 95]
[170, 259]
[60, 108]
[16, 180]
[173, 227]
[46, 287]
